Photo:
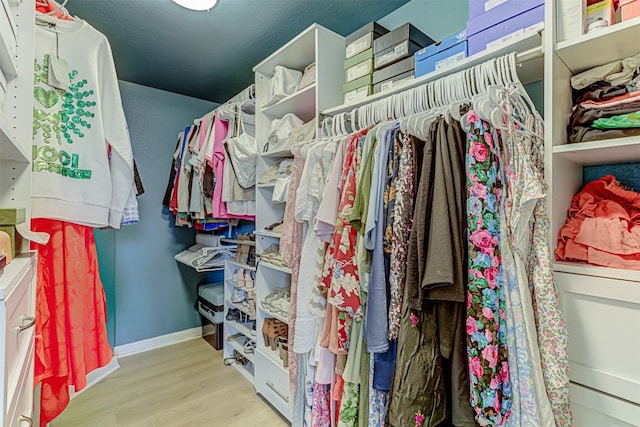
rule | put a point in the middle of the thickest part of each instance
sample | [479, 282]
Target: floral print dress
[340, 274]
[402, 220]
[486, 322]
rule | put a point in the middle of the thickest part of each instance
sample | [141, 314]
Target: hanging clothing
[71, 334]
[290, 247]
[486, 323]
[340, 275]
[73, 178]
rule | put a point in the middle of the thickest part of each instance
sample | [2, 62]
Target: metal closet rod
[530, 54]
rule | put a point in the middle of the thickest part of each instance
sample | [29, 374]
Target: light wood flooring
[184, 384]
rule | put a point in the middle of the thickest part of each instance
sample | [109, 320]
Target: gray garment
[587, 134]
[376, 326]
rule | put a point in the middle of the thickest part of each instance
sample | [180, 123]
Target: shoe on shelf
[240, 275]
[275, 225]
[283, 350]
[233, 314]
[277, 329]
[248, 279]
[266, 327]
[238, 295]
[249, 346]
[235, 337]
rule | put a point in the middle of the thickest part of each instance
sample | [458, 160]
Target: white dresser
[17, 331]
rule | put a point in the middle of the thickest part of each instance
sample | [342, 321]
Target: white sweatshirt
[73, 178]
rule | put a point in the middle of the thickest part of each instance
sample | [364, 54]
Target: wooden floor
[184, 384]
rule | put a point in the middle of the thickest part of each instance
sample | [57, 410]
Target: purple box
[498, 8]
[482, 32]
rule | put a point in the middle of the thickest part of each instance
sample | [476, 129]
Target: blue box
[442, 54]
[508, 19]
[479, 7]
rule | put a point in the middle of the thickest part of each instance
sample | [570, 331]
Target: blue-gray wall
[148, 293]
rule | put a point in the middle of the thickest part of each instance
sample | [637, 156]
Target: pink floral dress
[486, 322]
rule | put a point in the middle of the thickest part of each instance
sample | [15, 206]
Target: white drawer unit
[594, 409]
[272, 382]
[603, 320]
[17, 324]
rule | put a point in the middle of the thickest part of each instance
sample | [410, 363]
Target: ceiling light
[197, 4]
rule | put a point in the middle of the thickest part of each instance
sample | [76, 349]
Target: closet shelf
[594, 270]
[7, 60]
[241, 265]
[530, 71]
[274, 357]
[303, 102]
[240, 327]
[275, 267]
[267, 233]
[610, 151]
[238, 242]
[270, 313]
[601, 46]
[297, 53]
[239, 307]
[9, 147]
[237, 345]
[245, 372]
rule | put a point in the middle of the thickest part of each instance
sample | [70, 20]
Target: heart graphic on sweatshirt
[48, 98]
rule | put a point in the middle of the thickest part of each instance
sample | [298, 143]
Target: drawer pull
[31, 321]
[24, 418]
[278, 392]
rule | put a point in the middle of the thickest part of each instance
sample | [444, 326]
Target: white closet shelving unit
[17, 280]
[232, 327]
[326, 49]
[601, 306]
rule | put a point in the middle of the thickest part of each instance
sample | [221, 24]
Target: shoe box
[441, 55]
[389, 77]
[494, 22]
[358, 65]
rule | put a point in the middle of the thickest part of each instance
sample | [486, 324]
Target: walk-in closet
[381, 213]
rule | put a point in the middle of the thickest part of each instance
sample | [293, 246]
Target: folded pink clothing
[603, 226]
[618, 100]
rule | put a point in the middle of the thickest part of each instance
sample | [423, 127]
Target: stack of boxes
[393, 56]
[358, 66]
[492, 22]
[441, 55]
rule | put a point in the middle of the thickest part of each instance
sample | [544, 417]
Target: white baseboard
[157, 342]
[95, 376]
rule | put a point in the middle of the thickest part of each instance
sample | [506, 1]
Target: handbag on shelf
[278, 136]
[283, 83]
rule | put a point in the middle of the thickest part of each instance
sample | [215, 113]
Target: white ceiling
[210, 55]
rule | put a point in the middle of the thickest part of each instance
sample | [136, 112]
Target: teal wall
[148, 293]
